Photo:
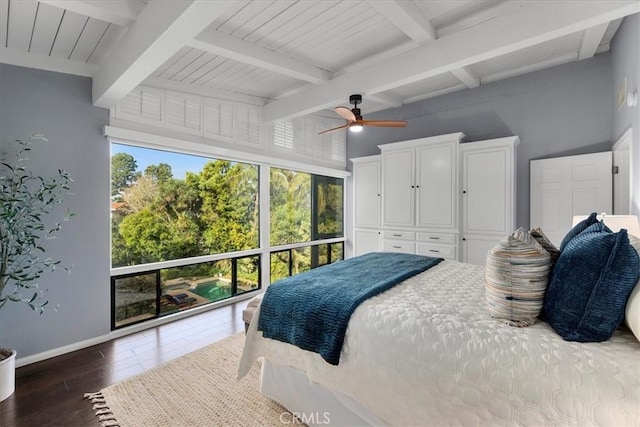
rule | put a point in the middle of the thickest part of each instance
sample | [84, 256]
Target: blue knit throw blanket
[311, 310]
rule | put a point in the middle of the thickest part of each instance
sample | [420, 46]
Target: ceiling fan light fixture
[354, 120]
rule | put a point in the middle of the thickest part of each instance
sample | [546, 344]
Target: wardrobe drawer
[399, 235]
[449, 239]
[438, 251]
[399, 246]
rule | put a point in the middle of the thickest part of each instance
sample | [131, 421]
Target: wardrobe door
[488, 195]
[436, 182]
[398, 188]
[366, 184]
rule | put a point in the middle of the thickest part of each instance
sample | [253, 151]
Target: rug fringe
[102, 410]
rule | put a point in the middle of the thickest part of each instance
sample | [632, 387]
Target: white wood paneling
[183, 112]
[91, 35]
[248, 120]
[160, 30]
[120, 12]
[303, 56]
[4, 20]
[22, 16]
[44, 29]
[110, 37]
[218, 119]
[68, 34]
[143, 105]
[504, 34]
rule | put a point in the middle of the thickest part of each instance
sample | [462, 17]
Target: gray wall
[59, 106]
[559, 111]
[625, 48]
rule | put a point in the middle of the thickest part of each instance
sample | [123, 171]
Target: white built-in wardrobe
[438, 196]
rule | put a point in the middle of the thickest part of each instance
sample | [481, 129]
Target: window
[289, 262]
[185, 229]
[168, 206]
[306, 210]
[305, 207]
[171, 214]
[141, 296]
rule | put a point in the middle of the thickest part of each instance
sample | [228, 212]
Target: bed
[426, 352]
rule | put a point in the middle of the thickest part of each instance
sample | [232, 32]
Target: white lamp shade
[616, 222]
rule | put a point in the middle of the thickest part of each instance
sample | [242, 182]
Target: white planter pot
[8, 376]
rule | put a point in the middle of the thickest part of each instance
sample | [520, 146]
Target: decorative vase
[8, 376]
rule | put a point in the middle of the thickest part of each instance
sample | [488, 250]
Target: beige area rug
[197, 389]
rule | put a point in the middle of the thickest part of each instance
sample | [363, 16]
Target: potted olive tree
[26, 199]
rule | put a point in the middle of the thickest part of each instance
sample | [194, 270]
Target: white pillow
[632, 311]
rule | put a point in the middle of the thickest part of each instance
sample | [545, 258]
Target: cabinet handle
[434, 238]
[398, 247]
[413, 186]
[464, 240]
[397, 235]
[433, 250]
[417, 186]
[464, 191]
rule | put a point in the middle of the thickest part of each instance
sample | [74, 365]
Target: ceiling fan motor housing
[355, 99]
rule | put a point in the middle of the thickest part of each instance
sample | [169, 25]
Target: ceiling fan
[354, 119]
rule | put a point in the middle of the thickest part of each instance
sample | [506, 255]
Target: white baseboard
[59, 351]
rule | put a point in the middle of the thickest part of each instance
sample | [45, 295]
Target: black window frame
[158, 300]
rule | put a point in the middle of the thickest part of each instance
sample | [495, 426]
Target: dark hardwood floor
[50, 393]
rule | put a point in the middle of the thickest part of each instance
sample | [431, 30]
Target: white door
[437, 192]
[366, 187]
[562, 187]
[487, 189]
[367, 241]
[476, 247]
[487, 196]
[398, 188]
[622, 175]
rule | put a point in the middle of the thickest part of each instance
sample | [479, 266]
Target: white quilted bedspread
[426, 352]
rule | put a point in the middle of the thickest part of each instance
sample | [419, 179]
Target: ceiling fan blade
[345, 113]
[383, 123]
[334, 129]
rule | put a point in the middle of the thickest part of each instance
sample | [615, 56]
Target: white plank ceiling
[296, 57]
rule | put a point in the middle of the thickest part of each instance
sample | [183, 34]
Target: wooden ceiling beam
[591, 39]
[161, 30]
[466, 76]
[237, 49]
[407, 18]
[531, 24]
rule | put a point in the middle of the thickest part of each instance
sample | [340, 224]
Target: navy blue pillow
[590, 285]
[579, 228]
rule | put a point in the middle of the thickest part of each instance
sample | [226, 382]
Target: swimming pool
[212, 290]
